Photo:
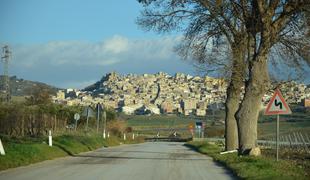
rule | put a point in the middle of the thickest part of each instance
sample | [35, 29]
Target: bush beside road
[24, 151]
[264, 167]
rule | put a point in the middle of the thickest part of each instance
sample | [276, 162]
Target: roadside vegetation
[248, 167]
[27, 150]
[26, 122]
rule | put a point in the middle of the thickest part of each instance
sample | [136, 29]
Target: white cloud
[77, 84]
[111, 51]
[116, 44]
[79, 61]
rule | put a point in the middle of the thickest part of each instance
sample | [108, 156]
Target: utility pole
[6, 95]
[88, 114]
[98, 115]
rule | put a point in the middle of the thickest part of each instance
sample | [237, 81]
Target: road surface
[147, 161]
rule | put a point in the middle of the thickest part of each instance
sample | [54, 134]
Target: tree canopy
[250, 31]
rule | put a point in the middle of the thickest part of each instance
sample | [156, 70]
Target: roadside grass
[267, 130]
[159, 121]
[164, 121]
[19, 99]
[25, 151]
[298, 121]
[246, 167]
[76, 144]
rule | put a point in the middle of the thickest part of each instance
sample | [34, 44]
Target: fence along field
[17, 119]
[294, 130]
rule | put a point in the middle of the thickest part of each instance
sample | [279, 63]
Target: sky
[73, 43]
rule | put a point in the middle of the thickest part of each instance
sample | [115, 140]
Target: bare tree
[209, 27]
[251, 29]
[269, 24]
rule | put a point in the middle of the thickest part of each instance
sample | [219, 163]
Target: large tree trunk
[233, 98]
[248, 112]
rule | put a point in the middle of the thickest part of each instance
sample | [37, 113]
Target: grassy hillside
[22, 87]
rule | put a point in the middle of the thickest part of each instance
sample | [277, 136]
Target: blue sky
[34, 21]
[72, 43]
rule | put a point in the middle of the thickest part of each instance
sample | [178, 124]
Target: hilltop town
[161, 93]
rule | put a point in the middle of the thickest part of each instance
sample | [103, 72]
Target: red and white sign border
[277, 93]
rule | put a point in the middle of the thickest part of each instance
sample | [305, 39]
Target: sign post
[99, 108]
[76, 118]
[277, 106]
[88, 112]
[199, 127]
[278, 134]
[87, 117]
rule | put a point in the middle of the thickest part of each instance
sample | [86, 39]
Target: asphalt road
[152, 160]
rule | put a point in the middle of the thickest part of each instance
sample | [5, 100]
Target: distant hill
[21, 87]
[97, 86]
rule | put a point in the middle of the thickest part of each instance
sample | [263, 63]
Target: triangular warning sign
[277, 105]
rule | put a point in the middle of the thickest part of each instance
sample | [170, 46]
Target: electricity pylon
[6, 95]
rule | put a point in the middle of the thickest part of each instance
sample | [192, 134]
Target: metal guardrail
[162, 129]
[167, 139]
[264, 143]
[259, 142]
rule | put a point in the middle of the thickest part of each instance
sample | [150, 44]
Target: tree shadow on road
[228, 171]
[175, 157]
[64, 149]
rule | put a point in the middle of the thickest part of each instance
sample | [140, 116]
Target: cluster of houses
[161, 93]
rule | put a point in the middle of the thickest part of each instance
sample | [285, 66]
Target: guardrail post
[104, 134]
[2, 152]
[50, 138]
